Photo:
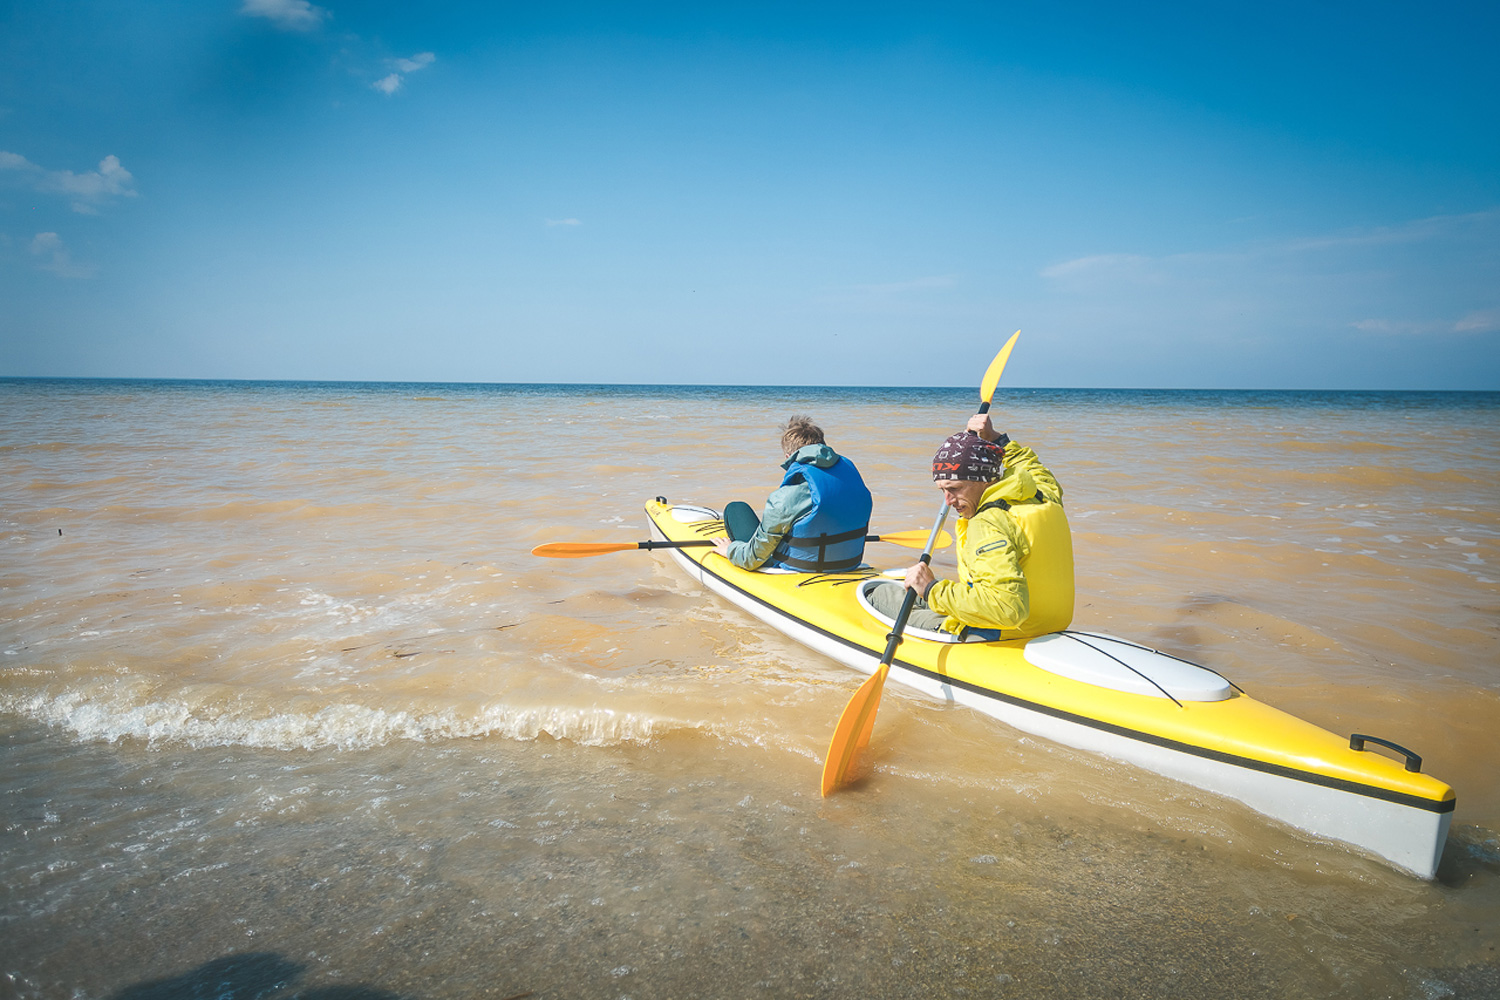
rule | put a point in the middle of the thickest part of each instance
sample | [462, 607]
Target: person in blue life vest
[1015, 552]
[815, 521]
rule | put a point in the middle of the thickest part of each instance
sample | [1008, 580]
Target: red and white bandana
[969, 458]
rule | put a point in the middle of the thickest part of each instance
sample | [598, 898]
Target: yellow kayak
[1108, 695]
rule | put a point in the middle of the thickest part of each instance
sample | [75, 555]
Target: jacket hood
[819, 455]
[1017, 485]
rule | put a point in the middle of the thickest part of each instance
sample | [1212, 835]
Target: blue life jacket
[830, 539]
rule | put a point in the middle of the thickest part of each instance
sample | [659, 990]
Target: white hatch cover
[1121, 665]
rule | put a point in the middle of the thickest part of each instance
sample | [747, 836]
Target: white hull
[1408, 837]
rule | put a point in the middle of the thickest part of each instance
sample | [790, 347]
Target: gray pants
[887, 597]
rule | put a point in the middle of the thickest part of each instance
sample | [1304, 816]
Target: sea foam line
[343, 726]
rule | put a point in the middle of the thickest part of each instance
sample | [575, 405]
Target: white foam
[113, 715]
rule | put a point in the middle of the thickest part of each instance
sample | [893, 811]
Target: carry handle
[1358, 741]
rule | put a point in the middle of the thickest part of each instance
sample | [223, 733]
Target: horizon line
[704, 385]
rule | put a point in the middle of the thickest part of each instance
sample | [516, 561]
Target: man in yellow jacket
[1015, 552]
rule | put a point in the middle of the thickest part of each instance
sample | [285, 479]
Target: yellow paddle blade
[916, 539]
[852, 734]
[581, 550]
[992, 374]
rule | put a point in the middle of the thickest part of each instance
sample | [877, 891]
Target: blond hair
[800, 432]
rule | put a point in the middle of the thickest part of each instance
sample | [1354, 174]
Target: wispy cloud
[306, 17]
[564, 222]
[391, 83]
[1479, 321]
[924, 284]
[289, 15]
[86, 191]
[905, 297]
[1413, 231]
[1142, 267]
[1097, 264]
[419, 61]
[56, 258]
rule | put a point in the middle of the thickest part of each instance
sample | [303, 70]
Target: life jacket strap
[1006, 505]
[821, 564]
[843, 536]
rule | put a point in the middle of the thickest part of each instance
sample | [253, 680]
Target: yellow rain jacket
[1015, 556]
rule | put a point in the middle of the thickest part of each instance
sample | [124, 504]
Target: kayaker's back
[1048, 568]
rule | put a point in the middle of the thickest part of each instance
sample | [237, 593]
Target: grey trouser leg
[887, 598]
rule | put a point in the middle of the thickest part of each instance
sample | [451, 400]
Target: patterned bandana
[969, 458]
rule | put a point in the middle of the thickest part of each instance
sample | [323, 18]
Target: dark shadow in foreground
[252, 976]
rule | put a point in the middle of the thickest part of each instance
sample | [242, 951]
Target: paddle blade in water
[852, 734]
[581, 550]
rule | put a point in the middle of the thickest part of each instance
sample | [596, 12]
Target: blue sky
[1158, 195]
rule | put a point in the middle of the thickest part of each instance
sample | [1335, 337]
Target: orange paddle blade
[852, 734]
[581, 550]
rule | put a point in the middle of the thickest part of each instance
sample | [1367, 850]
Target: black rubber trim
[1342, 784]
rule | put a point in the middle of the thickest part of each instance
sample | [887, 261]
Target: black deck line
[1341, 784]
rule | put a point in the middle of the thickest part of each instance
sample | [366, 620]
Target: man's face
[962, 496]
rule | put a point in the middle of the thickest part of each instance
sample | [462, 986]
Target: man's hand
[721, 546]
[919, 578]
[980, 424]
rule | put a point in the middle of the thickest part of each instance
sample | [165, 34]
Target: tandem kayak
[1108, 695]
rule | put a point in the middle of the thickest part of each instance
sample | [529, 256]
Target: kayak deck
[1108, 695]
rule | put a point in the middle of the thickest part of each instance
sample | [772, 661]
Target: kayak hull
[1233, 746]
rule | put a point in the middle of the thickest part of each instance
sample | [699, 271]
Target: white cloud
[1138, 266]
[58, 260]
[1096, 264]
[564, 222]
[87, 191]
[1480, 321]
[388, 85]
[293, 15]
[419, 61]
[1397, 327]
[911, 285]
[1412, 231]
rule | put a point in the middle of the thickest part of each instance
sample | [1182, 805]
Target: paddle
[582, 550]
[852, 734]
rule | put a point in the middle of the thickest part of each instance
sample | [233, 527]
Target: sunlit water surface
[286, 705]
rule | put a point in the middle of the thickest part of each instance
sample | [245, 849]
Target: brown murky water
[287, 708]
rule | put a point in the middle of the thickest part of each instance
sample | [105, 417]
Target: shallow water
[287, 706]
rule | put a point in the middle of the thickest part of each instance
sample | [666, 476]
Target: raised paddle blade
[992, 374]
[914, 539]
[581, 550]
[852, 734]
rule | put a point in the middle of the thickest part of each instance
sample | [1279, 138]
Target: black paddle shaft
[909, 601]
[697, 542]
